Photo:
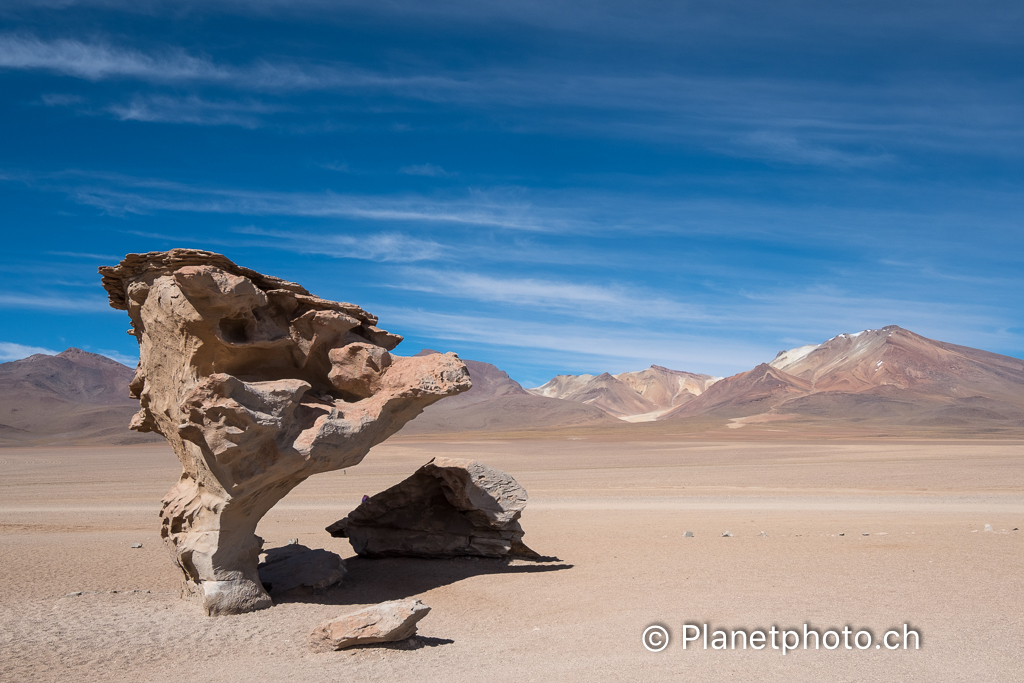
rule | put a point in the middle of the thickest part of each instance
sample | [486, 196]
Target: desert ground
[870, 533]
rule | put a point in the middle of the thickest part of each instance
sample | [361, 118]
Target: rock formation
[384, 623]
[295, 567]
[447, 508]
[256, 384]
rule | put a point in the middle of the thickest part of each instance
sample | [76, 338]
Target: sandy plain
[613, 511]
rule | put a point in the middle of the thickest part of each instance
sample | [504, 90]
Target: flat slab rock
[295, 566]
[450, 507]
[383, 623]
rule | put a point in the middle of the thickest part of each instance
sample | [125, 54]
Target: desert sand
[613, 511]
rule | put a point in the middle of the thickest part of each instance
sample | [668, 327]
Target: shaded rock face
[449, 507]
[383, 623]
[256, 384]
[298, 567]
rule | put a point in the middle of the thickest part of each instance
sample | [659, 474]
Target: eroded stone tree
[256, 384]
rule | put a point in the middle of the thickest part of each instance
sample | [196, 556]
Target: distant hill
[890, 375]
[75, 396]
[632, 396]
[498, 403]
[877, 378]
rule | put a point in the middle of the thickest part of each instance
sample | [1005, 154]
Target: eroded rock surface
[447, 508]
[383, 623]
[256, 384]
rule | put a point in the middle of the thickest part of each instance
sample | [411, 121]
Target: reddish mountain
[73, 396]
[496, 402]
[488, 382]
[897, 358]
[748, 393]
[890, 375]
[632, 396]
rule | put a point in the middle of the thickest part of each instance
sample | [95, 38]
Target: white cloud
[10, 351]
[130, 361]
[53, 303]
[85, 255]
[807, 122]
[618, 344]
[495, 209]
[381, 247]
[429, 170]
[193, 110]
[580, 300]
[61, 99]
[97, 62]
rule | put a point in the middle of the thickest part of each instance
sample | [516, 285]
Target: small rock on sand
[386, 622]
[136, 545]
[988, 527]
[688, 534]
[727, 534]
[763, 533]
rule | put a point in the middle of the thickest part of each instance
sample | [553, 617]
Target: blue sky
[548, 186]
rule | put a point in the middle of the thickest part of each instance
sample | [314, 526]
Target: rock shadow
[416, 642]
[371, 581]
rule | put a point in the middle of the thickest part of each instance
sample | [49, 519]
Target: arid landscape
[868, 518]
[511, 341]
[612, 510]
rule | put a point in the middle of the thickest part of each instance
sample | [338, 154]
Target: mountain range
[889, 375]
[633, 396]
[74, 396]
[884, 377]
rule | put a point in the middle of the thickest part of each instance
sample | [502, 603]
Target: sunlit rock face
[256, 384]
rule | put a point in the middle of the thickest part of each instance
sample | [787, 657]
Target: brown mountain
[611, 395]
[666, 388]
[898, 358]
[748, 393]
[890, 375]
[75, 396]
[488, 382]
[632, 396]
[496, 402]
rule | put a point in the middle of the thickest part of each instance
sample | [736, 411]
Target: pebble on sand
[136, 545]
[988, 527]
[727, 534]
[688, 534]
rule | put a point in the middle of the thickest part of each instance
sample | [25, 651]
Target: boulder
[383, 623]
[296, 566]
[449, 507]
[256, 384]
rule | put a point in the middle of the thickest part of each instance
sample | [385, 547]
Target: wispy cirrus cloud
[585, 300]
[497, 208]
[53, 303]
[429, 170]
[798, 121]
[383, 248]
[98, 61]
[594, 346]
[85, 255]
[10, 351]
[194, 110]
